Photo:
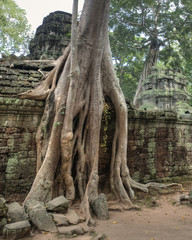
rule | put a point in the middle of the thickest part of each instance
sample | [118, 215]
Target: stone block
[3, 222]
[100, 207]
[190, 197]
[59, 204]
[60, 220]
[99, 237]
[39, 216]
[72, 217]
[16, 230]
[16, 212]
[3, 207]
[66, 219]
[60, 40]
[71, 230]
[31, 203]
[42, 220]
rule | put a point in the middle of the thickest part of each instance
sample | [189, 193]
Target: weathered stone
[164, 89]
[71, 230]
[190, 196]
[60, 220]
[72, 217]
[16, 230]
[16, 212]
[3, 222]
[51, 37]
[183, 199]
[161, 150]
[3, 207]
[42, 220]
[99, 237]
[59, 204]
[190, 193]
[100, 207]
[39, 216]
[32, 203]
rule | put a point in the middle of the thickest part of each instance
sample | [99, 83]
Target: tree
[158, 23]
[14, 28]
[127, 61]
[68, 135]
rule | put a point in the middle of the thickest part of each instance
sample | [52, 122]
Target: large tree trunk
[151, 61]
[69, 132]
[153, 53]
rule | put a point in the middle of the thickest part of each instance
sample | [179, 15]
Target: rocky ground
[160, 218]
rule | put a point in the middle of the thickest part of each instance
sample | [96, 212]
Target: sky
[36, 10]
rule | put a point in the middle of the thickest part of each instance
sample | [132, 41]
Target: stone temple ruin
[51, 37]
[157, 121]
[165, 89]
[160, 130]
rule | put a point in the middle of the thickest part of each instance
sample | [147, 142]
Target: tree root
[155, 185]
[68, 151]
[44, 89]
[122, 207]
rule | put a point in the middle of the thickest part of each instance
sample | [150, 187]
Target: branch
[40, 71]
[126, 22]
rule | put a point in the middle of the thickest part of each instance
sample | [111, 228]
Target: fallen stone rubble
[17, 222]
[185, 198]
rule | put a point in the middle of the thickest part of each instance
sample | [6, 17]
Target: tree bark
[150, 62]
[69, 132]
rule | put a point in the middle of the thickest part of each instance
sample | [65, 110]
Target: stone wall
[19, 120]
[159, 147]
[18, 124]
[20, 76]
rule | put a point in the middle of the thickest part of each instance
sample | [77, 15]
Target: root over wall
[159, 146]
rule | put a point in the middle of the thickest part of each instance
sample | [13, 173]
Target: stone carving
[163, 89]
[100, 207]
[159, 144]
[52, 37]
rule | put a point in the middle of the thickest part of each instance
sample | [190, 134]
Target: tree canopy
[14, 28]
[156, 30]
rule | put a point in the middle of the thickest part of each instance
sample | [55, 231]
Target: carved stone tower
[163, 89]
[52, 37]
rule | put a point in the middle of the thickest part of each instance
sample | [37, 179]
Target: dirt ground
[165, 221]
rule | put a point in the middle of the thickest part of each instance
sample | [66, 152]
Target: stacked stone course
[159, 134]
[19, 120]
[159, 146]
[163, 89]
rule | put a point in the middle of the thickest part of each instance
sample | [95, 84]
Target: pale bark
[69, 132]
[151, 61]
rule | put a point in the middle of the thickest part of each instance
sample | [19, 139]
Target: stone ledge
[15, 105]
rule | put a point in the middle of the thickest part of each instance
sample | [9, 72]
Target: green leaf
[14, 28]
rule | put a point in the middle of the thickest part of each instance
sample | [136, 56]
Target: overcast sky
[36, 10]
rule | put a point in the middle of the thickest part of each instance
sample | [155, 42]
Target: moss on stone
[183, 108]
[12, 167]
[136, 176]
[151, 146]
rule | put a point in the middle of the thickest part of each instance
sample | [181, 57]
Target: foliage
[14, 28]
[106, 117]
[127, 61]
[140, 26]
